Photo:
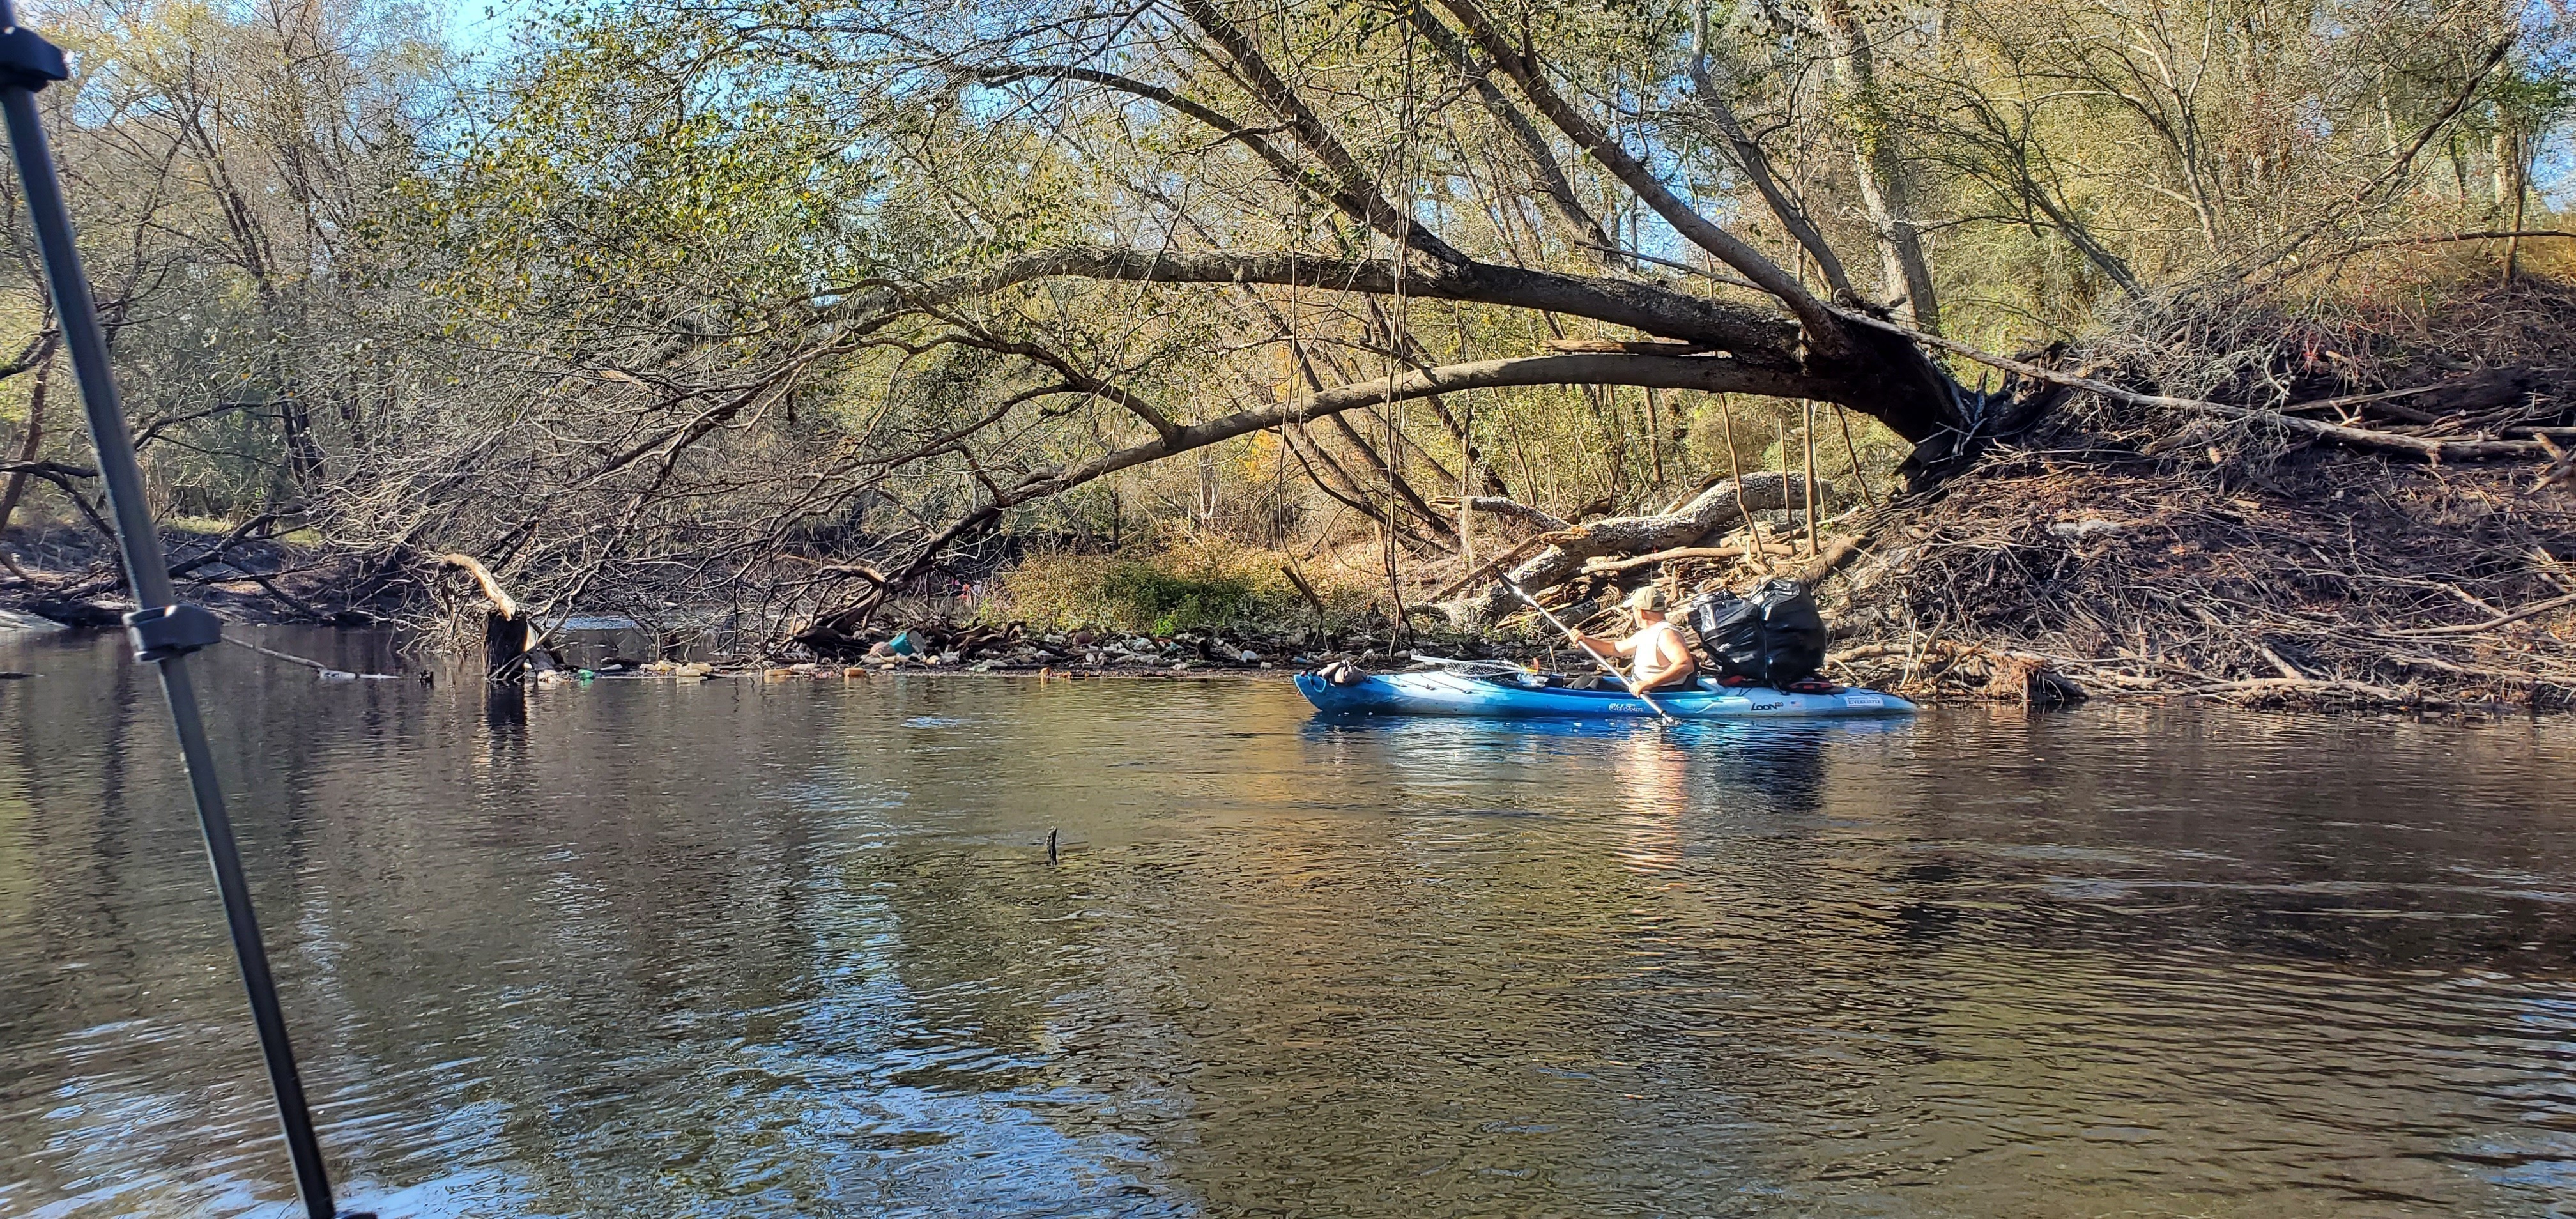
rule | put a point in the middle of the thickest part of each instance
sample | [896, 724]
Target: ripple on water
[737, 950]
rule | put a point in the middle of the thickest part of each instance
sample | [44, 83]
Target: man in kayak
[1663, 657]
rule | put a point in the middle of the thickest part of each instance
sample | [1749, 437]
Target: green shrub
[1193, 586]
[1140, 595]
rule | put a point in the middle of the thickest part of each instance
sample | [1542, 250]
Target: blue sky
[474, 26]
[477, 26]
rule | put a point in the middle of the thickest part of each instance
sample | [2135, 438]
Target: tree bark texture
[1715, 509]
[1879, 164]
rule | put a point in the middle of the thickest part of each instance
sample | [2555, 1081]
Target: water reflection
[760, 948]
[505, 709]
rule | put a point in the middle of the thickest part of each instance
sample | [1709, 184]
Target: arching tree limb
[1753, 333]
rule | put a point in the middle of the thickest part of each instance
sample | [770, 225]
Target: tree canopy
[715, 300]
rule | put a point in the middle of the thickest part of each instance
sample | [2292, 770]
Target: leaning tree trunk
[1879, 163]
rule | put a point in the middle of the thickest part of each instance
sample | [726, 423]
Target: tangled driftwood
[2338, 584]
[841, 627]
[1713, 511]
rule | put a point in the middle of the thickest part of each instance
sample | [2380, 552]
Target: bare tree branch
[1713, 375]
[1309, 128]
[1553, 186]
[1822, 329]
[1362, 203]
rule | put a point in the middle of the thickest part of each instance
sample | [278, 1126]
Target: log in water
[761, 948]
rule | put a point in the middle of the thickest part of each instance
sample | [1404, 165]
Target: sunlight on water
[795, 948]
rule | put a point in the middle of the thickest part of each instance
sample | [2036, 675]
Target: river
[768, 948]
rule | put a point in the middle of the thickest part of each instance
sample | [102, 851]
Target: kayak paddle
[1505, 583]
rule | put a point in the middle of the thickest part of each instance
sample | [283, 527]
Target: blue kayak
[1442, 692]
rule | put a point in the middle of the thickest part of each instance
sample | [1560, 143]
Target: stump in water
[505, 646]
[505, 630]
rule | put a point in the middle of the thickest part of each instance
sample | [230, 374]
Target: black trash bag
[1772, 636]
[1794, 630]
[1729, 629]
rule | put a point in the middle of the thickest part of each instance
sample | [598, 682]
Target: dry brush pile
[2365, 507]
[2131, 546]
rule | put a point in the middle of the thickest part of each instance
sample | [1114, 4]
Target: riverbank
[68, 573]
[2095, 546]
[2311, 580]
[2147, 588]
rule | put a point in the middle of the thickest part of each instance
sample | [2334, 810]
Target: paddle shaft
[1579, 641]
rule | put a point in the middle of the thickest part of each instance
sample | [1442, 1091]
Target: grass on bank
[1197, 584]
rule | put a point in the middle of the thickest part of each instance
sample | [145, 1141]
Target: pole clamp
[172, 630]
[28, 61]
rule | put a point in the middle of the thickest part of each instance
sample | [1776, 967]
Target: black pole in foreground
[164, 631]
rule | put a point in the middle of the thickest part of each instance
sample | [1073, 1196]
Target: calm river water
[746, 948]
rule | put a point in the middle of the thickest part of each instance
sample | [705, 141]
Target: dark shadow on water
[505, 707]
[1772, 768]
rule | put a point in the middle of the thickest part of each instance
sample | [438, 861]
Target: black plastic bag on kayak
[1773, 635]
[1729, 629]
[1794, 630]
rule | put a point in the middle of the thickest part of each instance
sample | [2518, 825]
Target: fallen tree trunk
[1498, 505]
[1717, 508]
[1827, 560]
[1612, 567]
